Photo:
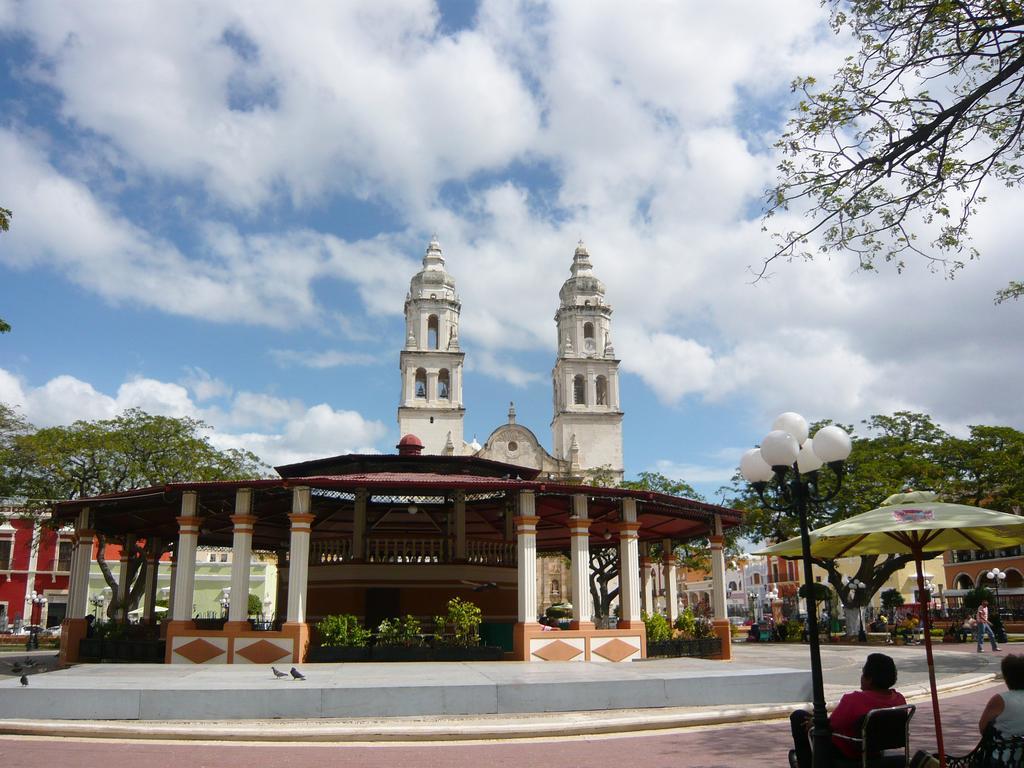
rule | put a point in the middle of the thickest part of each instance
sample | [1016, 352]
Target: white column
[431, 386]
[629, 565]
[647, 584]
[152, 564]
[718, 572]
[81, 560]
[668, 564]
[122, 576]
[460, 526]
[185, 567]
[526, 563]
[579, 567]
[173, 583]
[241, 555]
[298, 557]
[359, 525]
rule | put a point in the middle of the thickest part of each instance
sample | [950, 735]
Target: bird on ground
[297, 675]
[24, 679]
[278, 673]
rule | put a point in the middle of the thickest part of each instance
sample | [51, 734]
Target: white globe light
[794, 424]
[779, 448]
[753, 467]
[807, 460]
[831, 443]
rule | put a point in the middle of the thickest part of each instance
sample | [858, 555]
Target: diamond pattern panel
[263, 652]
[557, 650]
[615, 650]
[199, 651]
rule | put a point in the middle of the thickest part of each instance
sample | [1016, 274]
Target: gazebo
[386, 535]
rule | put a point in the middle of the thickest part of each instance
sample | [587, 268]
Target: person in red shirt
[877, 679]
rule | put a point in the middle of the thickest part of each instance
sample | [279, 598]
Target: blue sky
[217, 213]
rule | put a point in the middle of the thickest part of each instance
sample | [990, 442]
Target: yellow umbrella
[916, 523]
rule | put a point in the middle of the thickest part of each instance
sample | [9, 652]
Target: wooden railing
[418, 550]
[485, 552]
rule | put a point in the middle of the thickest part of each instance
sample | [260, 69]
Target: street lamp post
[98, 601]
[38, 601]
[997, 576]
[792, 461]
[753, 606]
[853, 584]
[225, 603]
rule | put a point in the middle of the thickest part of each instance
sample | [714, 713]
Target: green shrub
[342, 630]
[794, 630]
[686, 623]
[891, 600]
[559, 611]
[255, 605]
[658, 629]
[461, 626]
[403, 632]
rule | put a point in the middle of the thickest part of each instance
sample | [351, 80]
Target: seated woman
[876, 691]
[1005, 711]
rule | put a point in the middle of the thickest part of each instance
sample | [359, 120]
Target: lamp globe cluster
[789, 443]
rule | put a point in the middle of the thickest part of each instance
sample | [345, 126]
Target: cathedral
[586, 422]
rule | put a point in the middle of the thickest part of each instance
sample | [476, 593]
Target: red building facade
[33, 558]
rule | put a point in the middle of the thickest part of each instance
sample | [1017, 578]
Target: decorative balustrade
[405, 551]
[484, 552]
[416, 550]
[330, 551]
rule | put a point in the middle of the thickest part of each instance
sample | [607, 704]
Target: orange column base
[582, 625]
[723, 629]
[72, 631]
[300, 631]
[520, 648]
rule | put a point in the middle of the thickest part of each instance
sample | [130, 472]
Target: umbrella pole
[926, 622]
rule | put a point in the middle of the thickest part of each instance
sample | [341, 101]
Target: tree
[904, 450]
[604, 567]
[133, 450]
[984, 469]
[910, 131]
[13, 459]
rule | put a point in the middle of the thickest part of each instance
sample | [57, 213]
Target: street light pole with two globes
[784, 472]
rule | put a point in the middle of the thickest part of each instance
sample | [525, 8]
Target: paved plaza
[606, 698]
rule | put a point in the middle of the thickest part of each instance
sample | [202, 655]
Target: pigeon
[481, 586]
[297, 675]
[278, 673]
[24, 679]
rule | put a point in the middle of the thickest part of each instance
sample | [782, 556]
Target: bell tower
[587, 423]
[430, 406]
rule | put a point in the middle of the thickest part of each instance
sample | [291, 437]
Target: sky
[217, 212]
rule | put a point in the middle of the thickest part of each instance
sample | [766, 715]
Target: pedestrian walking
[983, 627]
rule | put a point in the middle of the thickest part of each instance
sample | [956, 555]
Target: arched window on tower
[443, 385]
[589, 345]
[421, 382]
[579, 390]
[602, 390]
[432, 336]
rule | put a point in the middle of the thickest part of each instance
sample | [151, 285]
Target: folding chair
[880, 730]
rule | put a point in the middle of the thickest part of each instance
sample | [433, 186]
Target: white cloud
[203, 386]
[279, 431]
[331, 358]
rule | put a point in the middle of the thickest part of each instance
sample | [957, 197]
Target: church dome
[583, 287]
[409, 445]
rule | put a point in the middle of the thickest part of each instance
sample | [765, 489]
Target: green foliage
[461, 626]
[255, 607]
[403, 632]
[658, 629]
[973, 599]
[133, 450]
[794, 630]
[15, 462]
[821, 592]
[559, 611]
[5, 219]
[899, 147]
[891, 600]
[342, 630]
[686, 622]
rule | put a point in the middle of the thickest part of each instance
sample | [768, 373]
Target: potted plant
[342, 638]
[399, 639]
[457, 635]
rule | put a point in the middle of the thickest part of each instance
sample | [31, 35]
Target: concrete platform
[242, 692]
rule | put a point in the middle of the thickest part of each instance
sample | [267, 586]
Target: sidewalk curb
[546, 725]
